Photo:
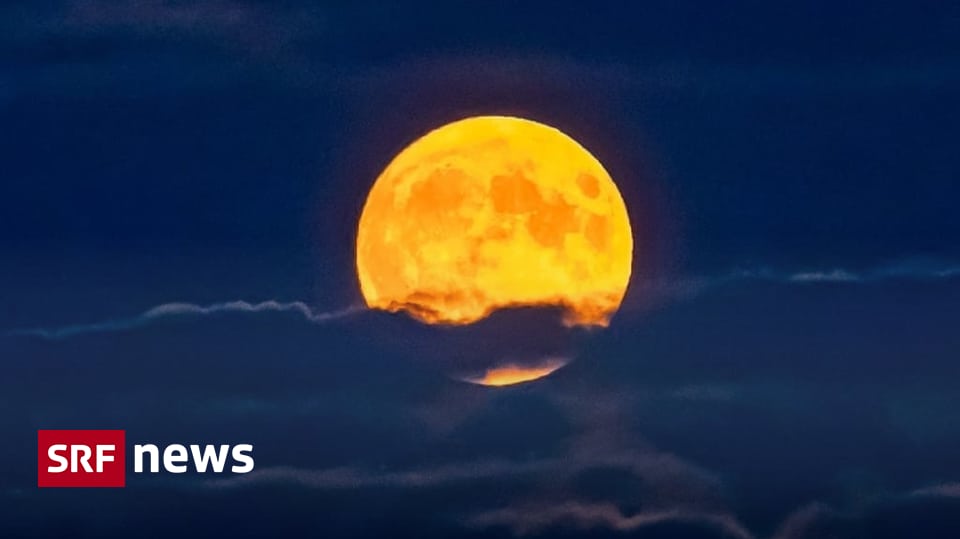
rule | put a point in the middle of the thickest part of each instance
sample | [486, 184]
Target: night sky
[785, 365]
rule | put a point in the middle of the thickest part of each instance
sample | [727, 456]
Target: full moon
[494, 212]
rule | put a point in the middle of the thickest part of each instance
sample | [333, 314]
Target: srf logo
[81, 458]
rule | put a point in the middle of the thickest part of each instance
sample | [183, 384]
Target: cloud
[687, 287]
[676, 289]
[905, 270]
[524, 518]
[292, 42]
[250, 26]
[529, 520]
[919, 271]
[946, 490]
[917, 513]
[175, 310]
[659, 471]
[832, 276]
[598, 447]
[810, 522]
[920, 513]
[665, 480]
[354, 478]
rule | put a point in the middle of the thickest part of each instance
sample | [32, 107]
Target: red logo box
[81, 458]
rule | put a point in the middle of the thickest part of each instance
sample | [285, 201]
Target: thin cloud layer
[921, 513]
[355, 478]
[690, 286]
[174, 310]
[902, 270]
[530, 520]
[676, 289]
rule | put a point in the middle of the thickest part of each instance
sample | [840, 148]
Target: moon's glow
[492, 212]
[510, 374]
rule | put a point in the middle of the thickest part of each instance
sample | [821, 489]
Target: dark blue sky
[785, 365]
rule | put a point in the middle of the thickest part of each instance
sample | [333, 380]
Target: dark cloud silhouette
[608, 445]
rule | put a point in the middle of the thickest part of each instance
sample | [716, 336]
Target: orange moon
[493, 212]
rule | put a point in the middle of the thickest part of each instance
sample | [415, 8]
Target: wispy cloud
[946, 490]
[906, 270]
[914, 271]
[527, 520]
[352, 478]
[692, 285]
[821, 520]
[659, 470]
[665, 481]
[247, 26]
[804, 521]
[831, 276]
[173, 310]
